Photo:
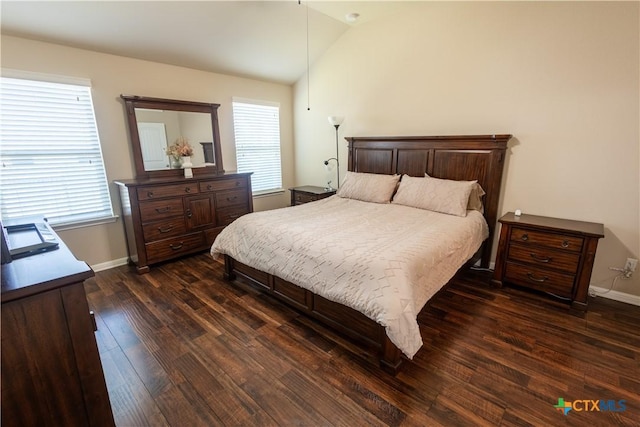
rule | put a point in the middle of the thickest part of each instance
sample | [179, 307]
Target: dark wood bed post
[390, 355]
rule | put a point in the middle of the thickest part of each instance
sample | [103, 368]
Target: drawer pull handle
[163, 210]
[231, 199]
[209, 187]
[237, 183]
[175, 248]
[165, 230]
[525, 237]
[534, 279]
[93, 320]
[541, 259]
[149, 194]
[189, 213]
[565, 243]
[187, 189]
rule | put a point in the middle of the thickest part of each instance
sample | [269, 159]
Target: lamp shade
[336, 120]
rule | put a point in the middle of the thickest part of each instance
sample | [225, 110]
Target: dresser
[309, 193]
[51, 369]
[165, 218]
[552, 255]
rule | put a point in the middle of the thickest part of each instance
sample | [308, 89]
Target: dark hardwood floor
[182, 347]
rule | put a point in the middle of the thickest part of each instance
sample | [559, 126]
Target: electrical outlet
[631, 264]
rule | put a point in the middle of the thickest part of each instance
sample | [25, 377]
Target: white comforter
[384, 260]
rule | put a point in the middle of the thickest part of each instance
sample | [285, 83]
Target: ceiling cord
[308, 62]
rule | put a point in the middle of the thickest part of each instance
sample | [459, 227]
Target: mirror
[155, 124]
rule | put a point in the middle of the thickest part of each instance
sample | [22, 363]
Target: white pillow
[434, 194]
[475, 198]
[368, 187]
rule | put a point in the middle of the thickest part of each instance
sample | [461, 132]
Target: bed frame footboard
[337, 316]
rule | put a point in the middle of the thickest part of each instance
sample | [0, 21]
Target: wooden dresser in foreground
[309, 193]
[51, 370]
[169, 217]
[551, 255]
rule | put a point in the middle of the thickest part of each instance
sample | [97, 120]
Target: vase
[186, 165]
[176, 162]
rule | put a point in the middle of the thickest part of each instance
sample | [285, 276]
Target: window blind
[257, 137]
[50, 156]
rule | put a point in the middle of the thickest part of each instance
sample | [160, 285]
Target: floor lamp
[336, 121]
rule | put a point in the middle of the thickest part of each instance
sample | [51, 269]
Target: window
[257, 132]
[50, 157]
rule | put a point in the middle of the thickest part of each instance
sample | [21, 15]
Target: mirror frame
[132, 102]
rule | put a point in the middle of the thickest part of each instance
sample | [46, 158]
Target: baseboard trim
[110, 264]
[615, 295]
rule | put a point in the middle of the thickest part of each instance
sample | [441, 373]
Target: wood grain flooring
[182, 347]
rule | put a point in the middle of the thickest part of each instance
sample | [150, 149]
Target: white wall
[562, 77]
[114, 75]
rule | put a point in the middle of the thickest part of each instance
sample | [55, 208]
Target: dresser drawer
[161, 209]
[152, 192]
[163, 229]
[544, 257]
[223, 184]
[552, 240]
[227, 215]
[540, 279]
[231, 198]
[168, 248]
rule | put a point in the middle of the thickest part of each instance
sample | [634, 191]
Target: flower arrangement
[180, 148]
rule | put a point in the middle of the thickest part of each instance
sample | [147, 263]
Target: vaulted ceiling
[265, 40]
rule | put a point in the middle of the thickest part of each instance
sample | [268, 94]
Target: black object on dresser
[165, 218]
[309, 193]
[552, 255]
[51, 369]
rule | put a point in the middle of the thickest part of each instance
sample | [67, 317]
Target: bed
[325, 259]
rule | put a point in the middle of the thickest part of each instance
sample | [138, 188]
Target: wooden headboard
[462, 157]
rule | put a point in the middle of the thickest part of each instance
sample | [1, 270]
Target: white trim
[265, 193]
[81, 224]
[43, 77]
[110, 264]
[615, 295]
[254, 101]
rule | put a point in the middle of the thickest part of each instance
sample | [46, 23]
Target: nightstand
[551, 255]
[309, 193]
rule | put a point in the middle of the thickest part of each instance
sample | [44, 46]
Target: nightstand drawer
[301, 198]
[309, 193]
[540, 279]
[552, 240]
[545, 258]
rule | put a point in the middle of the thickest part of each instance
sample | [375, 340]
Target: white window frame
[262, 132]
[51, 161]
